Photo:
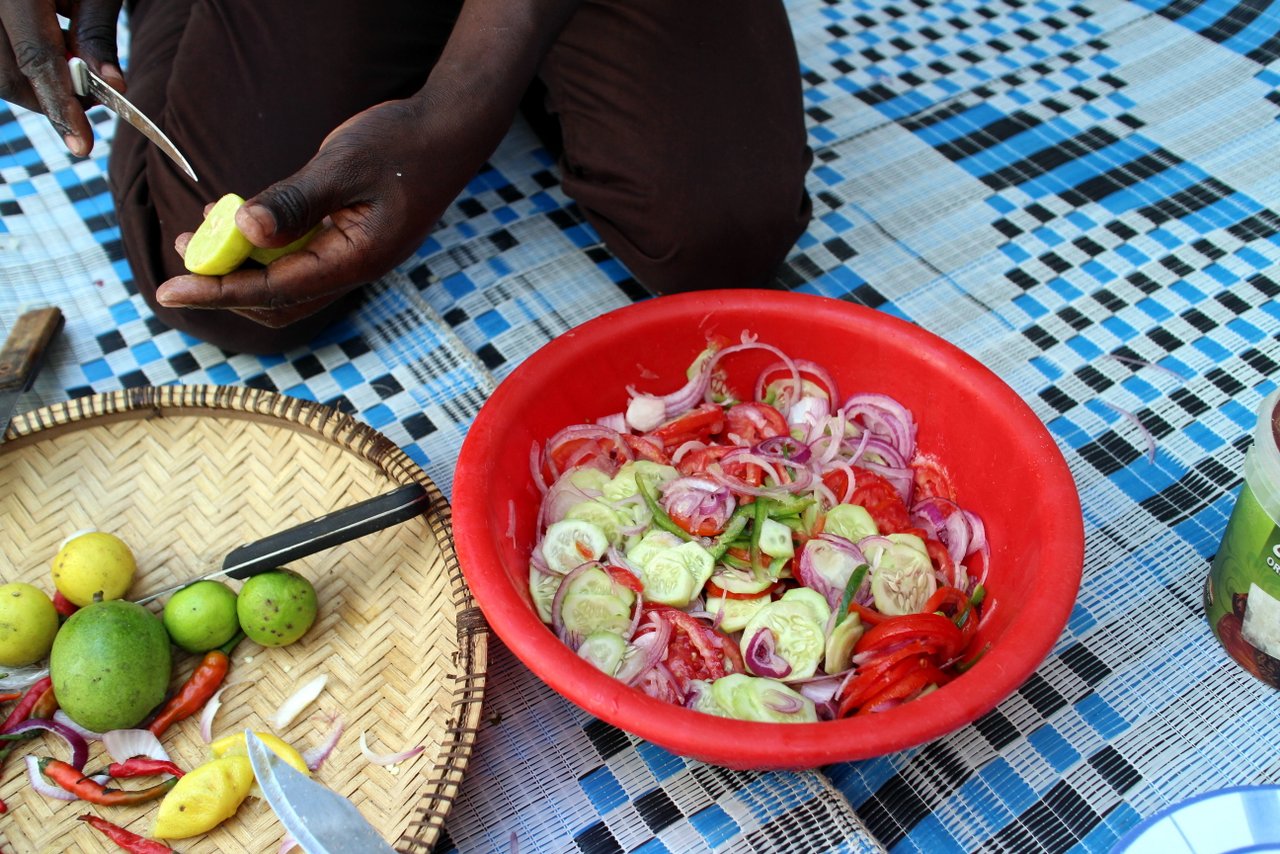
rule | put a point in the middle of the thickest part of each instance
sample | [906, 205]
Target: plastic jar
[1242, 593]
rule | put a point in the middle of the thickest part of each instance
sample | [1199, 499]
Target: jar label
[1242, 593]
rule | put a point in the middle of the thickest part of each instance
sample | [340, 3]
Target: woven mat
[1082, 195]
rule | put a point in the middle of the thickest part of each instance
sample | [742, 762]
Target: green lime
[277, 607]
[202, 616]
[28, 624]
[266, 256]
[218, 247]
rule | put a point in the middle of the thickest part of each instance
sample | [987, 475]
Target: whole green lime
[202, 616]
[110, 665]
[277, 607]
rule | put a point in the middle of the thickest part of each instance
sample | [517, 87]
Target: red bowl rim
[745, 744]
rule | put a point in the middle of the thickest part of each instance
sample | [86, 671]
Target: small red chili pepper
[141, 766]
[46, 704]
[63, 605]
[197, 690]
[72, 779]
[22, 711]
[13, 695]
[127, 840]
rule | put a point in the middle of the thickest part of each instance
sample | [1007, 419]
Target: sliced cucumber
[755, 698]
[702, 700]
[675, 576]
[585, 613]
[623, 484]
[800, 638]
[739, 581]
[572, 542]
[735, 613]
[542, 589]
[605, 650]
[601, 515]
[811, 599]
[650, 544]
[840, 643]
[775, 540]
[902, 578]
[587, 478]
[851, 521]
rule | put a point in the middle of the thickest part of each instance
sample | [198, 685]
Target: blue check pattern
[1080, 193]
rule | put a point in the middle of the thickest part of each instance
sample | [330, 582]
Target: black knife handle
[332, 529]
[25, 347]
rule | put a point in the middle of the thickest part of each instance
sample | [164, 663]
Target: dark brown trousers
[682, 128]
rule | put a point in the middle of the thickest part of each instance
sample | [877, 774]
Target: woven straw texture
[186, 473]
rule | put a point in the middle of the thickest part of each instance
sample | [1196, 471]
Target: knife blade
[318, 818]
[89, 85]
[22, 356]
[332, 529]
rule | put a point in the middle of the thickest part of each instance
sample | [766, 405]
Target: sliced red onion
[886, 416]
[588, 451]
[819, 689]
[661, 684]
[796, 366]
[299, 700]
[808, 413]
[616, 421]
[943, 519]
[784, 449]
[780, 702]
[535, 468]
[124, 744]
[63, 718]
[647, 411]
[699, 500]
[385, 759]
[762, 657]
[645, 651]
[315, 756]
[826, 564]
[78, 746]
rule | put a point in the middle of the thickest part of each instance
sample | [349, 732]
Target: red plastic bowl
[1003, 462]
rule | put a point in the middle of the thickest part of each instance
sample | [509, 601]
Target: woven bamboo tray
[186, 473]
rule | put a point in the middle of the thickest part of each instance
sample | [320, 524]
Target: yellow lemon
[93, 564]
[204, 797]
[233, 745]
[218, 246]
[28, 623]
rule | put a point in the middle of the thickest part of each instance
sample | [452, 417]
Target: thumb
[290, 208]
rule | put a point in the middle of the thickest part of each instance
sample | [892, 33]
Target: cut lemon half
[218, 247]
[266, 256]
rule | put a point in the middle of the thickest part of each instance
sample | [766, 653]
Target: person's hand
[33, 59]
[379, 183]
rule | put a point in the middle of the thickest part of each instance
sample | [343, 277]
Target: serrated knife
[89, 85]
[22, 356]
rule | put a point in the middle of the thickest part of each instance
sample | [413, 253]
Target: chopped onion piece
[79, 749]
[389, 758]
[301, 698]
[315, 756]
[65, 719]
[207, 714]
[124, 744]
[19, 678]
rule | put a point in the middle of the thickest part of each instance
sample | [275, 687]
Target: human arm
[33, 59]
[384, 177]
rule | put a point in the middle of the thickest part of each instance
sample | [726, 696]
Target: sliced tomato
[626, 578]
[696, 425]
[881, 500]
[904, 688]
[869, 616]
[941, 559]
[696, 650]
[643, 449]
[869, 683]
[930, 479]
[706, 527]
[698, 460]
[755, 422]
[607, 454]
[837, 481]
[940, 633]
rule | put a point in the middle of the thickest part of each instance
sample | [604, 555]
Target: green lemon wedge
[218, 247]
[266, 256]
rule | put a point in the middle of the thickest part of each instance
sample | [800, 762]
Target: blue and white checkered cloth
[1082, 195]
